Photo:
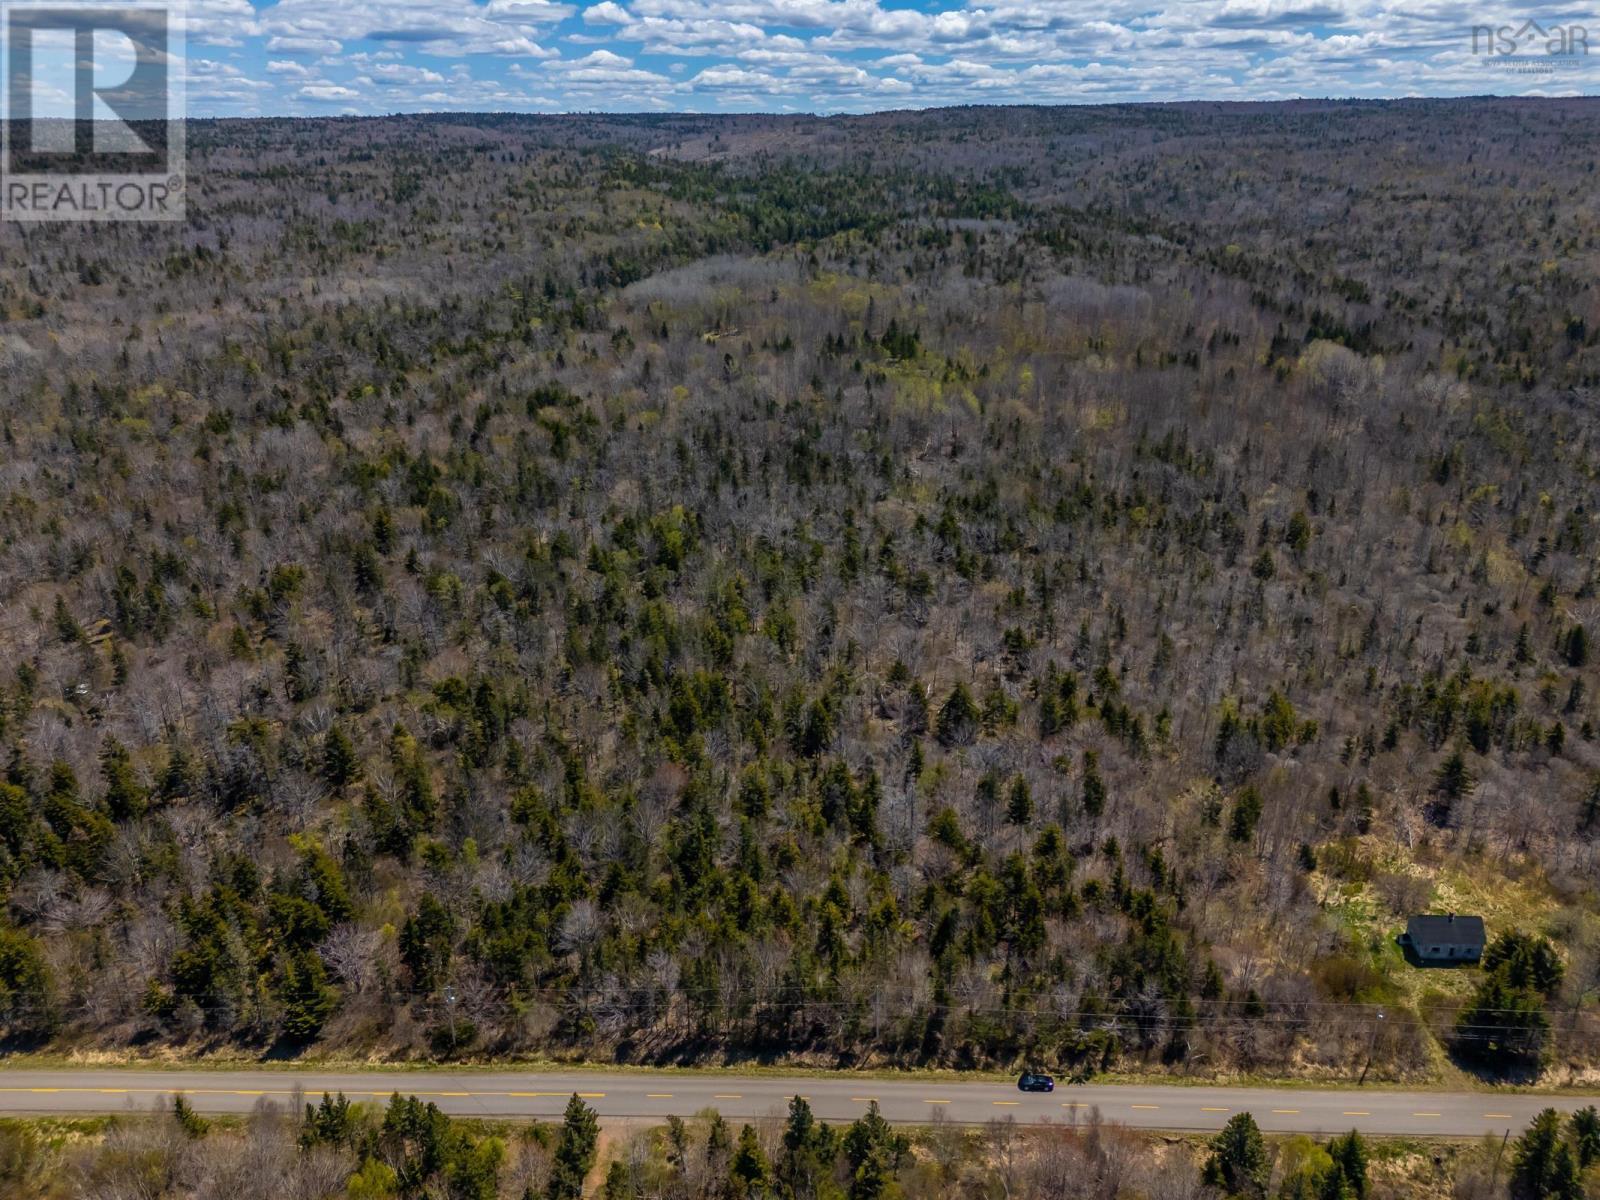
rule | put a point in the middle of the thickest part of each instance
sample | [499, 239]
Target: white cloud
[834, 55]
[328, 93]
[734, 77]
[448, 27]
[400, 73]
[607, 13]
[281, 44]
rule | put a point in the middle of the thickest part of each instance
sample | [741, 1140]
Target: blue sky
[255, 57]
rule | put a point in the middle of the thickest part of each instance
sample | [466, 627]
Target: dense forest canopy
[960, 587]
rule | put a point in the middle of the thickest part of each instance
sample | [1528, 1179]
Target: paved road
[618, 1094]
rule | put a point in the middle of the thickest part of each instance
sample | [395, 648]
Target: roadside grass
[58, 1133]
[1454, 1082]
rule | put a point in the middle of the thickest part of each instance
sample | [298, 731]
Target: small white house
[1447, 939]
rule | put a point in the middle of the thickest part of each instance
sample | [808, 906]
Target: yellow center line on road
[658, 1095]
[728, 1096]
[936, 1102]
[1074, 1104]
[591, 1095]
[1356, 1112]
[1499, 1116]
[1145, 1107]
[1205, 1108]
[1287, 1112]
[863, 1099]
[113, 1091]
[1426, 1114]
[1006, 1103]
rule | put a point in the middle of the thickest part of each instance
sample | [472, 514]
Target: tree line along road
[618, 1095]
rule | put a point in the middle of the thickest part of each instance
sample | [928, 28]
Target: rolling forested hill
[956, 587]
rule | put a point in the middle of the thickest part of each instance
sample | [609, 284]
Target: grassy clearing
[1378, 886]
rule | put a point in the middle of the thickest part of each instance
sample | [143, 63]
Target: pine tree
[574, 1155]
[875, 1152]
[1094, 788]
[1349, 1154]
[308, 998]
[1453, 779]
[807, 1152]
[958, 718]
[1019, 802]
[1239, 1164]
[1246, 815]
[67, 627]
[1575, 646]
[340, 766]
[750, 1172]
[1585, 1133]
[1544, 1167]
[194, 1126]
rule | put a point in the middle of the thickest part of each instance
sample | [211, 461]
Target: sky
[299, 57]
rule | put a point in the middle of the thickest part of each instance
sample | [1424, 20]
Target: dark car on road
[1036, 1081]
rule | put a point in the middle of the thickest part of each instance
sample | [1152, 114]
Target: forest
[961, 588]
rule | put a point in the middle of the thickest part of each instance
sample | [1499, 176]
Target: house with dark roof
[1435, 940]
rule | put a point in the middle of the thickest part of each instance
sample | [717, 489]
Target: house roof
[1445, 930]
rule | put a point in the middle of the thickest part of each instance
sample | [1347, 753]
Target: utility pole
[1372, 1047]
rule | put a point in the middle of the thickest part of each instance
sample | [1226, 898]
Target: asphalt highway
[617, 1095]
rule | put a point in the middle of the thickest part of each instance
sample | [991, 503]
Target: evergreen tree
[1543, 1165]
[27, 998]
[750, 1172]
[1349, 1155]
[875, 1152]
[1246, 815]
[194, 1126]
[574, 1155]
[340, 765]
[426, 940]
[958, 718]
[1575, 646]
[1584, 1128]
[125, 797]
[1094, 788]
[1019, 802]
[619, 1183]
[1239, 1164]
[1453, 779]
[807, 1152]
[308, 998]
